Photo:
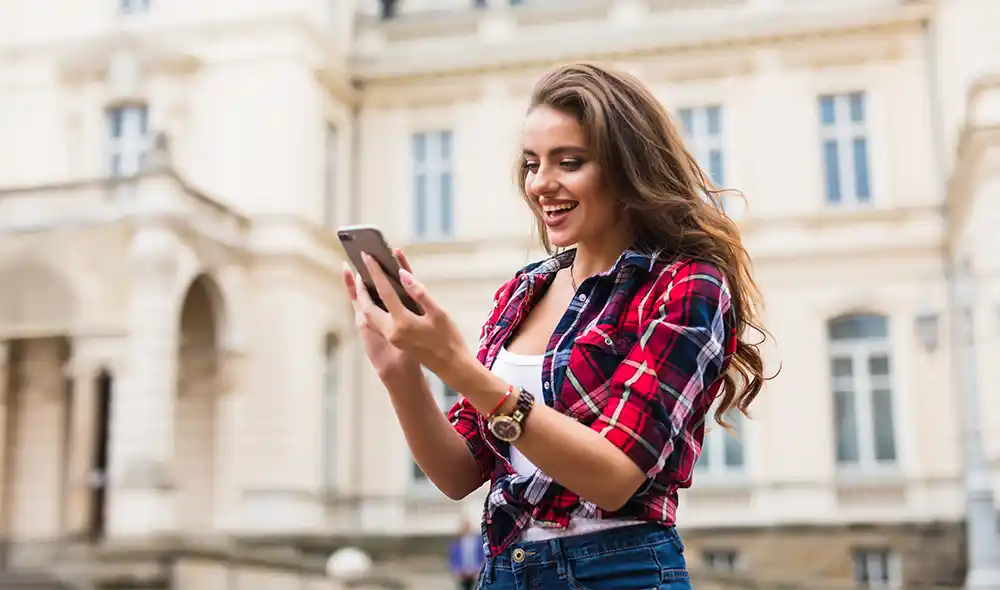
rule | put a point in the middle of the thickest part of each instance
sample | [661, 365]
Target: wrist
[478, 385]
[401, 376]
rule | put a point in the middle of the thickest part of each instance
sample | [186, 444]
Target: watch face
[506, 429]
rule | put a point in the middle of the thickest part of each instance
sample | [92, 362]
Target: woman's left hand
[433, 339]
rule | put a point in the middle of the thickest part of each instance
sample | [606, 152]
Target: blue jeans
[639, 557]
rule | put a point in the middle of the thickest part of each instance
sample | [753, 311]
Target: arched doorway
[38, 309]
[197, 402]
[98, 477]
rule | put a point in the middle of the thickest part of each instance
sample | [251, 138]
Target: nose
[540, 183]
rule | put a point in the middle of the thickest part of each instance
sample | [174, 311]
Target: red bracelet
[506, 394]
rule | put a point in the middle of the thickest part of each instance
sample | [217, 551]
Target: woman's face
[564, 180]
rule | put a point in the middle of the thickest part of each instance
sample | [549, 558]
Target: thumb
[417, 291]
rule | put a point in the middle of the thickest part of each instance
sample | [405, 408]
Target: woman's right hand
[389, 361]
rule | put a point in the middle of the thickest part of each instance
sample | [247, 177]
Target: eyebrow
[560, 150]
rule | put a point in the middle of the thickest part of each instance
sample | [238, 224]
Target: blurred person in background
[465, 556]
[585, 407]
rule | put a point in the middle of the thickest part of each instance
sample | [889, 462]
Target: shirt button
[546, 386]
[581, 297]
[608, 341]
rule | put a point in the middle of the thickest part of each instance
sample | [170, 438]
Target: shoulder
[508, 288]
[688, 278]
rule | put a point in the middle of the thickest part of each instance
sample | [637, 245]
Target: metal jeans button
[518, 555]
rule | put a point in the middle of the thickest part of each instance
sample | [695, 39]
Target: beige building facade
[179, 365]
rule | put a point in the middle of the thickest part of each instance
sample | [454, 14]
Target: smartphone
[369, 239]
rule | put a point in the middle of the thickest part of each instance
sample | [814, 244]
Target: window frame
[722, 559]
[712, 463]
[445, 398]
[862, 559]
[330, 467]
[433, 202]
[843, 131]
[863, 386]
[703, 142]
[127, 150]
[331, 170]
[131, 8]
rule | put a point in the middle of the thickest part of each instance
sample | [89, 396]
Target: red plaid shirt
[638, 357]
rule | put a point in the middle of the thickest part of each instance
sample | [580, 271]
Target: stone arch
[200, 355]
[203, 310]
[36, 300]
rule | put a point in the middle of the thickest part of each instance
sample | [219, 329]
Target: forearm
[573, 455]
[437, 448]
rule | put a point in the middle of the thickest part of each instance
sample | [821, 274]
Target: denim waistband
[561, 549]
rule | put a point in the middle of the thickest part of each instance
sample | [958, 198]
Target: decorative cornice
[96, 63]
[975, 140]
[647, 39]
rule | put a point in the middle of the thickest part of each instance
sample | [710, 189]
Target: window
[432, 184]
[387, 9]
[130, 7]
[720, 559]
[876, 568]
[331, 399]
[702, 128]
[128, 139]
[722, 451]
[862, 392]
[844, 136]
[446, 397]
[330, 152]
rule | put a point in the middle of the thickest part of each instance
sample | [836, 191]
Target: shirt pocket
[596, 355]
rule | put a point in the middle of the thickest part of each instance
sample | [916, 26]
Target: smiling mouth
[554, 210]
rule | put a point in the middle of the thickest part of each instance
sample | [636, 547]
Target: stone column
[82, 447]
[4, 464]
[142, 423]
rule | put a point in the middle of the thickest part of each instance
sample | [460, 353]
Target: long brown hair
[671, 204]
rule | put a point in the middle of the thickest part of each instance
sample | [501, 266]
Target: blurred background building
[183, 398]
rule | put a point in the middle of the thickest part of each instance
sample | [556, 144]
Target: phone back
[370, 241]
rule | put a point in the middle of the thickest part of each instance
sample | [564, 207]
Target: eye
[531, 166]
[571, 163]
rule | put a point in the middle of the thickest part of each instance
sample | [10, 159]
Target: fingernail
[405, 277]
[346, 267]
[366, 257]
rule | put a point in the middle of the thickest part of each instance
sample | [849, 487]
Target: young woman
[585, 407]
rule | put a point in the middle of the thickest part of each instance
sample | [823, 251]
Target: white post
[982, 537]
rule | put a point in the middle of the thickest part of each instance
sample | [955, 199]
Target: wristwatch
[508, 428]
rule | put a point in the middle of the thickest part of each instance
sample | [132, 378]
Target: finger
[403, 261]
[384, 287]
[348, 276]
[418, 292]
[373, 314]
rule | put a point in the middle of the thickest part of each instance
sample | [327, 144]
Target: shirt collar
[629, 258]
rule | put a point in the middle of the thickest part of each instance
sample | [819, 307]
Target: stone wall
[931, 555]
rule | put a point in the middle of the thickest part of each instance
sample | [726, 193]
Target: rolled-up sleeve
[465, 420]
[463, 417]
[661, 389]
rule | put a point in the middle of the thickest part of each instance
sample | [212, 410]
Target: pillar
[142, 414]
[82, 447]
[4, 463]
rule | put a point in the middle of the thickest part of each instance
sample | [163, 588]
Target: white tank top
[526, 371]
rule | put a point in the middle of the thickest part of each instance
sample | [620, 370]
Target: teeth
[554, 208]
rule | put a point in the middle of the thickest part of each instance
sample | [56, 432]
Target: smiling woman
[585, 405]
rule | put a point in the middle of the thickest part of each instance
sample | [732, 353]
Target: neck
[598, 256]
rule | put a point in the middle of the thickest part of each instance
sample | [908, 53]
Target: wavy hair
[671, 204]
